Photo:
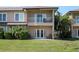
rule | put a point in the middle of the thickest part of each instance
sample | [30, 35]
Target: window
[3, 17]
[78, 32]
[40, 18]
[19, 17]
[77, 19]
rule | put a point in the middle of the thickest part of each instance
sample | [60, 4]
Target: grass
[39, 46]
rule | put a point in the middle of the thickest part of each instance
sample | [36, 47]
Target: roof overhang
[27, 7]
[41, 8]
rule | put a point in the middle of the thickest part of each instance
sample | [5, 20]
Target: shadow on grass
[69, 39]
[66, 39]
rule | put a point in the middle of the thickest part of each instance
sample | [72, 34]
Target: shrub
[13, 35]
[65, 35]
[17, 34]
[24, 35]
[1, 35]
[49, 36]
[8, 35]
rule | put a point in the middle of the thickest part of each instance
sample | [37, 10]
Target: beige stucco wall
[74, 32]
[47, 30]
[74, 29]
[10, 15]
[31, 14]
[72, 16]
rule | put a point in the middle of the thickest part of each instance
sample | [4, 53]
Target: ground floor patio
[36, 32]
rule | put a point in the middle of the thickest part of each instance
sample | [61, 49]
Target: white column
[72, 31]
[72, 22]
[53, 24]
[25, 15]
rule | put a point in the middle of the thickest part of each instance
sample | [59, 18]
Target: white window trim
[18, 13]
[76, 19]
[43, 16]
[2, 17]
[40, 34]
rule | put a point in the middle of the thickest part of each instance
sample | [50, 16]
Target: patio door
[39, 33]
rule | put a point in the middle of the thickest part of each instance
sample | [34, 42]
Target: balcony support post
[53, 24]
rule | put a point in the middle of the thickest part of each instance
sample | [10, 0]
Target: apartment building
[74, 17]
[39, 20]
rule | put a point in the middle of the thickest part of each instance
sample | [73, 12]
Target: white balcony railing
[40, 24]
[40, 20]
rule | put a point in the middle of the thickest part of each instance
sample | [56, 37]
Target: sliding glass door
[39, 33]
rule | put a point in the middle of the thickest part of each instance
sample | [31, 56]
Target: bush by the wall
[1, 35]
[65, 35]
[24, 35]
[17, 34]
[8, 35]
[49, 36]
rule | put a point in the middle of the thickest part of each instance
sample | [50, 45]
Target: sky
[65, 9]
[64, 5]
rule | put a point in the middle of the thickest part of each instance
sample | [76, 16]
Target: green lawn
[39, 45]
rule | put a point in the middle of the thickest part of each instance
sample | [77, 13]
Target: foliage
[56, 21]
[62, 25]
[49, 36]
[8, 35]
[17, 33]
[65, 27]
[20, 33]
[1, 34]
[24, 35]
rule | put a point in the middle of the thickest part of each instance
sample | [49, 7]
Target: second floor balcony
[33, 21]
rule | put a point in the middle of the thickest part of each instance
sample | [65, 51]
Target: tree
[57, 20]
[64, 27]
